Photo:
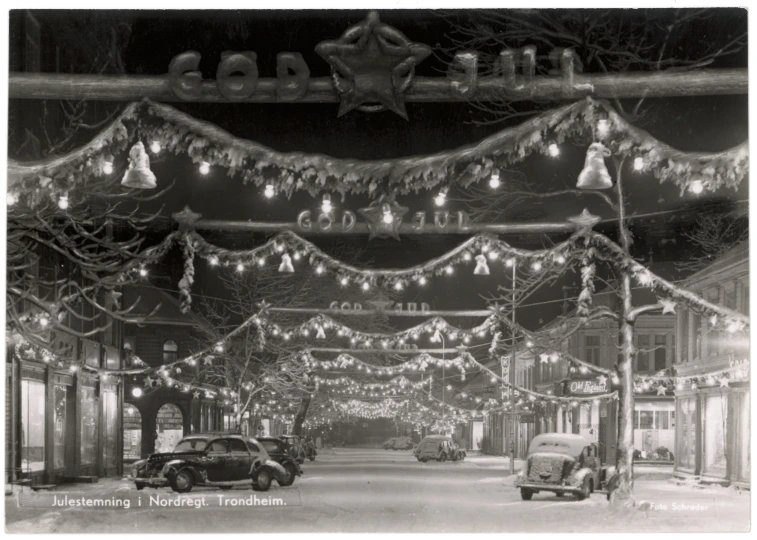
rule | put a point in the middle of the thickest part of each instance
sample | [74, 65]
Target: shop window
[661, 420]
[88, 406]
[715, 417]
[688, 426]
[170, 352]
[646, 419]
[132, 432]
[642, 357]
[60, 404]
[592, 350]
[32, 425]
[660, 352]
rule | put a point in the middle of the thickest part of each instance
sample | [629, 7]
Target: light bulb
[493, 256]
[43, 322]
[240, 267]
[529, 343]
[696, 187]
[344, 281]
[554, 150]
[560, 259]
[269, 193]
[143, 271]
[297, 256]
[10, 199]
[442, 197]
[422, 280]
[603, 127]
[136, 392]
[326, 207]
[204, 167]
[509, 263]
[63, 202]
[319, 269]
[155, 147]
[214, 261]
[72, 368]
[449, 270]
[388, 217]
[638, 163]
[398, 286]
[219, 347]
[261, 261]
[108, 165]
[366, 285]
[536, 265]
[494, 180]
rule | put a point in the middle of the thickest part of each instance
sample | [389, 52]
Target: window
[592, 350]
[646, 419]
[88, 406]
[60, 405]
[219, 447]
[32, 425]
[642, 358]
[170, 352]
[661, 419]
[252, 447]
[660, 353]
[187, 445]
[238, 445]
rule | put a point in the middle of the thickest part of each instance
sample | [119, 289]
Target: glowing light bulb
[219, 347]
[63, 202]
[442, 197]
[214, 261]
[261, 261]
[422, 280]
[638, 164]
[560, 259]
[108, 165]
[387, 217]
[554, 150]
[296, 256]
[529, 343]
[467, 256]
[344, 281]
[204, 167]
[43, 322]
[72, 368]
[696, 187]
[449, 270]
[326, 206]
[398, 286]
[240, 267]
[366, 285]
[269, 193]
[319, 269]
[509, 263]
[143, 271]
[536, 265]
[494, 182]
[493, 256]
[136, 392]
[603, 127]
[155, 147]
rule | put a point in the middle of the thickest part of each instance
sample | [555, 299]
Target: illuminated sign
[590, 386]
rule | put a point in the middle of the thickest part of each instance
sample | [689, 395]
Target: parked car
[402, 443]
[389, 443]
[278, 451]
[294, 447]
[439, 448]
[210, 459]
[562, 463]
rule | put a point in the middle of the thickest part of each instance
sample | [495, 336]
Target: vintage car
[278, 451]
[439, 448]
[389, 443]
[210, 459]
[294, 447]
[402, 443]
[562, 463]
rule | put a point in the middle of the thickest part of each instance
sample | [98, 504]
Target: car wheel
[262, 482]
[559, 493]
[443, 457]
[526, 494]
[139, 487]
[183, 481]
[291, 475]
[585, 492]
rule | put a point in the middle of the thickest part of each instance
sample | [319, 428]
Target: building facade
[713, 419]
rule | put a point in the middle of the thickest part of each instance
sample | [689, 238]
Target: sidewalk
[493, 462]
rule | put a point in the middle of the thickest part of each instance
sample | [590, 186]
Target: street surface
[372, 490]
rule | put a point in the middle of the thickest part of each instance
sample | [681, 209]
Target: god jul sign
[588, 386]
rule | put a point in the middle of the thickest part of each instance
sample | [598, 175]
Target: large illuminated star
[374, 216]
[372, 63]
[584, 220]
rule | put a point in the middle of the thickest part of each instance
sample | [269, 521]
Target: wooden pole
[424, 89]
[405, 228]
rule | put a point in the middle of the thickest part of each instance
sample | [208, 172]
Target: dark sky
[693, 124]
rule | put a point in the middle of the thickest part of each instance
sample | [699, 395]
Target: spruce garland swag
[209, 145]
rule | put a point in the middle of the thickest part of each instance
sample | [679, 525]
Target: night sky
[691, 124]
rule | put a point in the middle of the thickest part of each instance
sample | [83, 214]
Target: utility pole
[511, 377]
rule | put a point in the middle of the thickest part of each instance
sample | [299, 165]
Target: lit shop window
[32, 425]
[88, 406]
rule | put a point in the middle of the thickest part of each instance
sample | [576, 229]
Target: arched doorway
[169, 426]
[132, 433]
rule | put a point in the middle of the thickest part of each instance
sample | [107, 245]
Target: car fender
[581, 475]
[170, 468]
[278, 471]
[288, 460]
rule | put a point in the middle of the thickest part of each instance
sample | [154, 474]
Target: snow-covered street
[367, 490]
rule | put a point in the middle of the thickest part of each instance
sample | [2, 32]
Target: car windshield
[188, 445]
[270, 446]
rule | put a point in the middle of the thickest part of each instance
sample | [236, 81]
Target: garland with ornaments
[289, 247]
[419, 363]
[166, 129]
[322, 325]
[350, 385]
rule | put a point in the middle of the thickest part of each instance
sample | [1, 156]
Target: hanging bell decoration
[139, 175]
[286, 264]
[594, 174]
[320, 334]
[482, 269]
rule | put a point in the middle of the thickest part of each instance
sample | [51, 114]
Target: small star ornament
[208, 360]
[723, 382]
[149, 382]
[602, 379]
[668, 305]
[584, 221]
[383, 217]
[661, 390]
[544, 358]
[196, 394]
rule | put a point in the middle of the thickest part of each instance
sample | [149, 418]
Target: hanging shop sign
[587, 386]
[441, 221]
[398, 307]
